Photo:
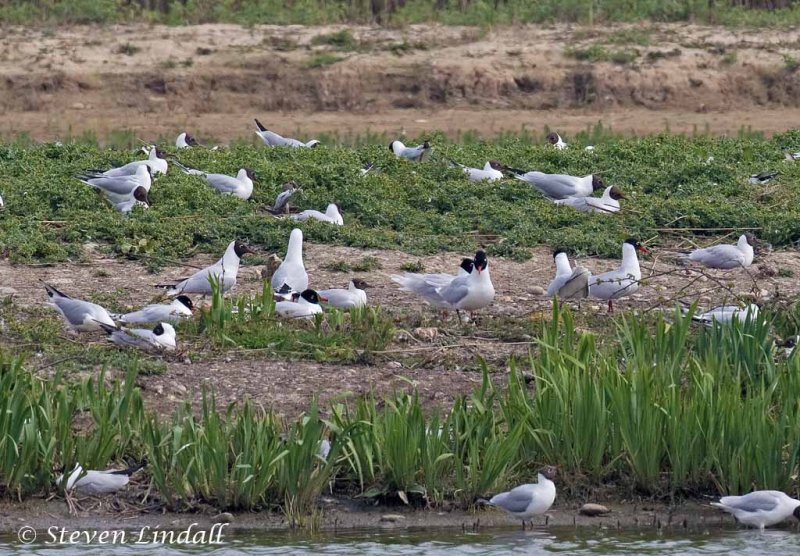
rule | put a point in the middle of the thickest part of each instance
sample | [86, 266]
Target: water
[552, 541]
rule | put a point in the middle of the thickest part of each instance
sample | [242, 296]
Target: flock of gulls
[469, 289]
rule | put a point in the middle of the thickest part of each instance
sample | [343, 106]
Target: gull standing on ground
[555, 139]
[526, 501]
[472, 292]
[607, 204]
[306, 306]
[560, 186]
[491, 171]
[224, 270]
[82, 316]
[98, 482]
[160, 338]
[292, 271]
[726, 257]
[621, 282]
[156, 161]
[415, 154]
[332, 215]
[425, 285]
[353, 296]
[240, 186]
[181, 307]
[568, 283]
[761, 508]
[272, 139]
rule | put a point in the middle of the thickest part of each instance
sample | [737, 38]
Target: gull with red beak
[621, 282]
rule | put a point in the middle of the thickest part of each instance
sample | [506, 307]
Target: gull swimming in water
[761, 508]
[156, 161]
[160, 338]
[726, 257]
[526, 501]
[426, 285]
[353, 296]
[624, 280]
[560, 186]
[292, 271]
[306, 306]
[272, 139]
[224, 270]
[240, 186]
[98, 482]
[181, 307]
[555, 139]
[568, 283]
[82, 316]
[491, 171]
[332, 215]
[607, 204]
[415, 154]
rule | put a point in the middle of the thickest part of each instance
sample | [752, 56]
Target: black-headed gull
[332, 215]
[353, 296]
[272, 139]
[306, 306]
[761, 508]
[185, 141]
[224, 270]
[727, 313]
[607, 204]
[415, 154]
[366, 168]
[726, 257]
[119, 189]
[621, 282]
[555, 139]
[282, 200]
[181, 307]
[560, 186]
[82, 316]
[568, 283]
[140, 198]
[526, 501]
[98, 482]
[426, 285]
[240, 186]
[160, 338]
[292, 271]
[156, 161]
[491, 171]
[763, 178]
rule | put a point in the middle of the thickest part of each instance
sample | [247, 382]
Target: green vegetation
[599, 53]
[469, 12]
[419, 208]
[324, 59]
[662, 407]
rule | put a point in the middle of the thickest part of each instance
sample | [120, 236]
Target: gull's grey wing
[576, 285]
[516, 500]
[755, 501]
[117, 186]
[283, 198]
[75, 310]
[555, 186]
[454, 292]
[223, 183]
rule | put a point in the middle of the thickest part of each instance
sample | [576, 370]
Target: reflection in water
[564, 542]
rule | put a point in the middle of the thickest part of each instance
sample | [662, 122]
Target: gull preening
[622, 281]
[726, 257]
[160, 338]
[354, 296]
[761, 508]
[185, 141]
[555, 139]
[272, 139]
[306, 306]
[156, 161]
[332, 215]
[82, 316]
[98, 482]
[292, 271]
[415, 154]
[607, 204]
[181, 307]
[426, 285]
[560, 186]
[224, 270]
[240, 186]
[568, 283]
[282, 200]
[527, 501]
[491, 171]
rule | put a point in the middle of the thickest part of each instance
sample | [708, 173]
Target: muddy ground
[213, 79]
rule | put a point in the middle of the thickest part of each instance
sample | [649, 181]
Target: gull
[365, 169]
[332, 215]
[119, 189]
[415, 154]
[224, 270]
[156, 161]
[82, 316]
[98, 482]
[727, 313]
[240, 186]
[426, 285]
[620, 282]
[160, 338]
[139, 197]
[185, 141]
[306, 306]
[353, 296]
[555, 139]
[272, 139]
[763, 178]
[791, 156]
[181, 307]
[726, 256]
[568, 283]
[292, 272]
[761, 508]
[526, 501]
[607, 204]
[282, 200]
[472, 292]
[2, 204]
[560, 186]
[491, 171]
